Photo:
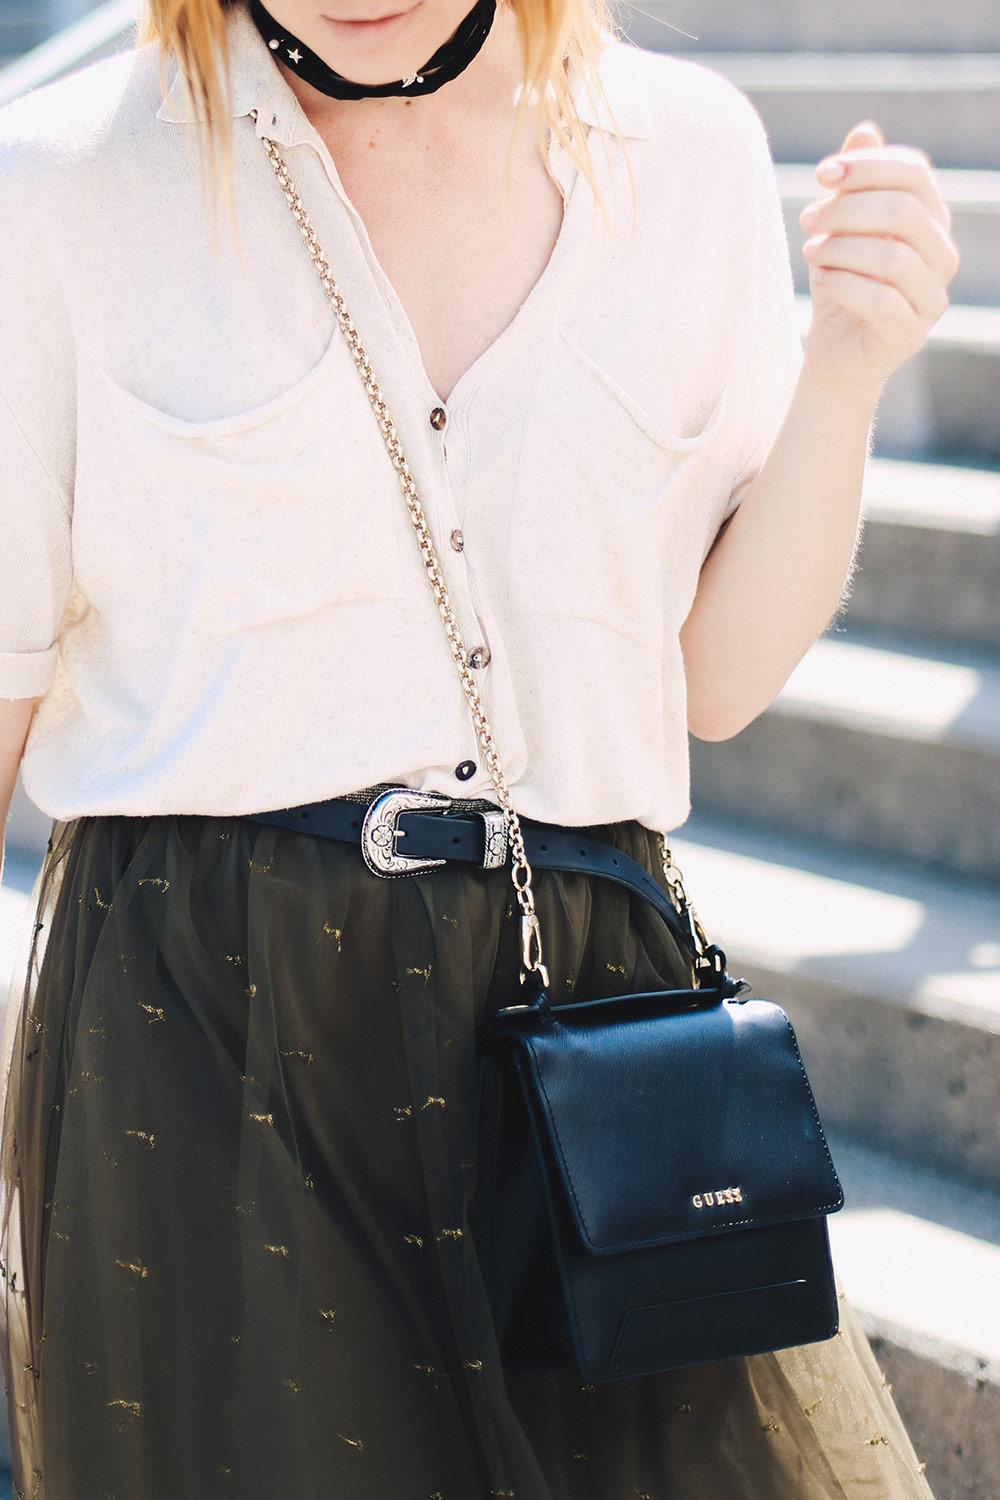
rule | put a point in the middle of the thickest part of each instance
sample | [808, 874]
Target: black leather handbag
[653, 1176]
[653, 1184]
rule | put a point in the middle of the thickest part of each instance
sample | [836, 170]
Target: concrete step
[874, 746]
[974, 199]
[944, 403]
[27, 829]
[919, 1257]
[790, 25]
[948, 104]
[929, 565]
[891, 977]
[95, 32]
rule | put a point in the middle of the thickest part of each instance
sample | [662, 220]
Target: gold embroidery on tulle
[589, 1389]
[32, 1370]
[770, 1426]
[449, 1234]
[921, 1468]
[584, 1458]
[234, 1338]
[130, 1412]
[683, 1407]
[293, 1385]
[811, 1410]
[251, 992]
[424, 974]
[236, 958]
[38, 1025]
[887, 1383]
[101, 1031]
[403, 1112]
[140, 1271]
[503, 1494]
[57, 1234]
[437, 1495]
[310, 1182]
[429, 1101]
[334, 932]
[307, 1057]
[414, 1239]
[112, 1161]
[472, 1364]
[617, 969]
[352, 1442]
[148, 1140]
[157, 880]
[56, 1205]
[259, 869]
[154, 1012]
[245, 1208]
[281, 1250]
[225, 837]
[327, 1314]
[259, 1119]
[426, 1369]
[452, 921]
[92, 1077]
[89, 1366]
[878, 1441]
[222, 1471]
[104, 905]
[641, 1494]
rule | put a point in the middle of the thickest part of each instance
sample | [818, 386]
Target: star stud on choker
[296, 56]
[412, 78]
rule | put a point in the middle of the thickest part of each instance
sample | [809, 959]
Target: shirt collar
[257, 84]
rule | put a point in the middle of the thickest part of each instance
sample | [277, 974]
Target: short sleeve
[775, 349]
[35, 565]
[37, 424]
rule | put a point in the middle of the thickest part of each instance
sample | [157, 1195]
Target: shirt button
[479, 657]
[466, 770]
[438, 418]
[457, 541]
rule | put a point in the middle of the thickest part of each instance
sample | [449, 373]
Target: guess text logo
[718, 1197]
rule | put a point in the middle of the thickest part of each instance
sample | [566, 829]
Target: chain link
[531, 939]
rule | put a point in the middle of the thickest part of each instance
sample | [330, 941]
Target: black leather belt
[402, 832]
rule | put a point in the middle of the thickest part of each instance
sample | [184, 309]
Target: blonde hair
[559, 39]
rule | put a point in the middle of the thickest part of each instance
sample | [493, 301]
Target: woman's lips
[382, 25]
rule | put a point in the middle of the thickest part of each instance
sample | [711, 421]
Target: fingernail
[809, 217]
[831, 170]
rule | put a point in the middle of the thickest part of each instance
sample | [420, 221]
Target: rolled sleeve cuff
[27, 674]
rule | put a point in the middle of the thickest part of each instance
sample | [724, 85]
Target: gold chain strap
[531, 938]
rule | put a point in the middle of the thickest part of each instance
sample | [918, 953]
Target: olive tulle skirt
[238, 1168]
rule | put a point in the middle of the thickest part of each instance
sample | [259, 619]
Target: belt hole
[583, 854]
[544, 848]
[456, 840]
[355, 823]
[303, 815]
[614, 861]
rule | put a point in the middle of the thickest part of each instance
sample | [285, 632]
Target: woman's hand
[880, 259]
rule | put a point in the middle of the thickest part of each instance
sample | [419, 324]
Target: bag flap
[669, 1127]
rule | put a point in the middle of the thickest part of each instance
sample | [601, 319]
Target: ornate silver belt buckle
[380, 831]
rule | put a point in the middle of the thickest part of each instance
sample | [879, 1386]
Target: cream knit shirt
[206, 566]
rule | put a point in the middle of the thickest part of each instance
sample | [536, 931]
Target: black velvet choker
[450, 59]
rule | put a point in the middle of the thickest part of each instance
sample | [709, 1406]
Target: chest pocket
[248, 520]
[610, 503]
